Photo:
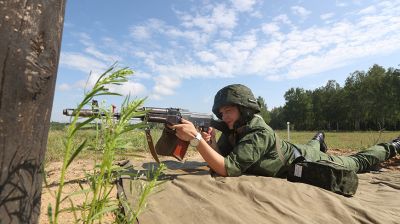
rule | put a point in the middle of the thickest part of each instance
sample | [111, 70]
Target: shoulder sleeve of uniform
[248, 151]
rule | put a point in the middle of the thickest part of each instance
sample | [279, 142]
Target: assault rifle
[168, 144]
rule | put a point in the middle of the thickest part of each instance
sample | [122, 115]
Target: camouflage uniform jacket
[251, 149]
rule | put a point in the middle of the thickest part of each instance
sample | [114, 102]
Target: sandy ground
[76, 175]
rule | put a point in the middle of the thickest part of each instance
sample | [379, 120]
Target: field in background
[344, 140]
[136, 142]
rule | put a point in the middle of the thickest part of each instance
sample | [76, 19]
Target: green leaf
[108, 94]
[73, 209]
[76, 152]
[131, 154]
[103, 211]
[106, 72]
[80, 125]
[50, 213]
[83, 191]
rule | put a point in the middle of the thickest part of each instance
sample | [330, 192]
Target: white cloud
[183, 70]
[104, 57]
[300, 11]
[246, 42]
[155, 24]
[223, 46]
[195, 37]
[85, 39]
[164, 86]
[141, 75]
[81, 62]
[226, 34]
[300, 53]
[294, 54]
[270, 28]
[64, 87]
[89, 82]
[93, 56]
[224, 67]
[206, 56]
[207, 44]
[283, 19]
[345, 43]
[388, 4]
[129, 88]
[219, 17]
[369, 10]
[274, 77]
[93, 63]
[263, 58]
[243, 5]
[140, 32]
[93, 50]
[146, 31]
[342, 4]
[223, 17]
[327, 16]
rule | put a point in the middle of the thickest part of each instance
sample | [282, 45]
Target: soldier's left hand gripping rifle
[168, 144]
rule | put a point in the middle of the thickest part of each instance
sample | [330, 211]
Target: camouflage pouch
[325, 174]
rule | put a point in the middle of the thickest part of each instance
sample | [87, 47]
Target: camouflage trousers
[359, 162]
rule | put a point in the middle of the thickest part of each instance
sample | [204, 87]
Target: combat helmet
[235, 94]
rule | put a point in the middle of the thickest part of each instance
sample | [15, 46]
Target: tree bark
[30, 34]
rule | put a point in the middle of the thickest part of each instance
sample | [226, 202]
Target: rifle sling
[151, 145]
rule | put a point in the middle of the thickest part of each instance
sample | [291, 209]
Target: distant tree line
[368, 101]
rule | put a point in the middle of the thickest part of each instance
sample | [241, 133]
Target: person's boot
[396, 144]
[320, 136]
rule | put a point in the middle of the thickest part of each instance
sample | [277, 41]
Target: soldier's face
[230, 114]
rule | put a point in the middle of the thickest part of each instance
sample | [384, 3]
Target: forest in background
[367, 101]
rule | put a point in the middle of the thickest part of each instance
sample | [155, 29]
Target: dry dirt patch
[74, 176]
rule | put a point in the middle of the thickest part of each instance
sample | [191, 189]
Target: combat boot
[396, 144]
[320, 136]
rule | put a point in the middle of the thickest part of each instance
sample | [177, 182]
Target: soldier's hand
[209, 135]
[185, 131]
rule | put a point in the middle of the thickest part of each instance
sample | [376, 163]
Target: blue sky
[184, 51]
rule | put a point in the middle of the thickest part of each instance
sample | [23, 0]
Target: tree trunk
[30, 34]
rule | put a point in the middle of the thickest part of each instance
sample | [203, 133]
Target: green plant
[108, 138]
